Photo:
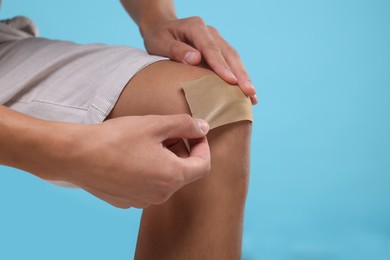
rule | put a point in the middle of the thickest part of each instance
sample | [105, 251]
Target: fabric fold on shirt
[17, 28]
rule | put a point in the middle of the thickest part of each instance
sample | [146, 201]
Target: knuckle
[174, 46]
[187, 119]
[211, 47]
[207, 169]
[152, 123]
[169, 181]
[212, 29]
[160, 198]
[123, 205]
[197, 20]
[163, 199]
[175, 49]
[234, 53]
[173, 178]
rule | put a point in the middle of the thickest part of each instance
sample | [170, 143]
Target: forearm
[147, 12]
[31, 144]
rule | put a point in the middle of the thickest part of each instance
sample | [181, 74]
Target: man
[115, 121]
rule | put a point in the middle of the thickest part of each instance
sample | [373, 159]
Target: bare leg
[204, 219]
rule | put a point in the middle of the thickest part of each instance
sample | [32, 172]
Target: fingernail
[190, 58]
[203, 125]
[249, 84]
[254, 99]
[230, 73]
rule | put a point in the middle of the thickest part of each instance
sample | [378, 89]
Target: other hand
[189, 41]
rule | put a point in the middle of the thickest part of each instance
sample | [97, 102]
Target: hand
[127, 161]
[189, 40]
[140, 161]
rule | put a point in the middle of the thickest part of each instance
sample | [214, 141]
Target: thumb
[184, 53]
[181, 126]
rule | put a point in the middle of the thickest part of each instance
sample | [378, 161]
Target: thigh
[157, 90]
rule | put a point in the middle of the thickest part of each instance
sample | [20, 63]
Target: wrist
[148, 13]
[150, 21]
[58, 145]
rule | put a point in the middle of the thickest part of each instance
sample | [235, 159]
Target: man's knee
[173, 88]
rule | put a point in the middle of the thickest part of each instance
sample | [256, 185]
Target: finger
[201, 39]
[254, 100]
[180, 126]
[179, 148]
[198, 164]
[182, 52]
[213, 56]
[176, 50]
[234, 61]
[116, 201]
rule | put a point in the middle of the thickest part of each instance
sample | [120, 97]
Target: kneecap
[219, 103]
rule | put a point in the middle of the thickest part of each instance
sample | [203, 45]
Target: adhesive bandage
[219, 103]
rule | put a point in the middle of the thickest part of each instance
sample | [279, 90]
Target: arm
[31, 144]
[114, 161]
[148, 12]
[187, 41]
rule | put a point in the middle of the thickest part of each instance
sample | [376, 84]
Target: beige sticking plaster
[219, 103]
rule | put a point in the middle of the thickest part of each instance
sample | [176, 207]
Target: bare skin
[204, 219]
[192, 216]
[188, 41]
[201, 220]
[26, 140]
[130, 165]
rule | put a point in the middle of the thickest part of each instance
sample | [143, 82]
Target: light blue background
[320, 183]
